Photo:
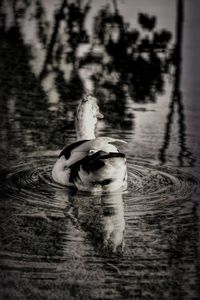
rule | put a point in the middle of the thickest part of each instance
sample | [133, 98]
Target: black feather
[88, 163]
[105, 181]
[92, 163]
[67, 151]
[74, 172]
[95, 162]
[112, 154]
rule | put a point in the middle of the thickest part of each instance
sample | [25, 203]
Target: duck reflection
[102, 218]
[113, 223]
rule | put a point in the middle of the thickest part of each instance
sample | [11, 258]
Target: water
[59, 243]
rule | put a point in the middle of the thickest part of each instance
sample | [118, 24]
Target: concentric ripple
[147, 180]
[32, 181]
[50, 233]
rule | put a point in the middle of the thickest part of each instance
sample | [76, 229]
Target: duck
[91, 163]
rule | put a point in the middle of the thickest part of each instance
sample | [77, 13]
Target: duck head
[87, 116]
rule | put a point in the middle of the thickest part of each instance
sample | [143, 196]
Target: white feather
[98, 144]
[114, 168]
[60, 173]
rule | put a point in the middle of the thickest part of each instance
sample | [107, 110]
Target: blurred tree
[124, 62]
[134, 58]
[146, 21]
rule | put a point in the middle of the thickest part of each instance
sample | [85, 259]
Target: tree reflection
[184, 156]
[67, 35]
[116, 63]
[42, 23]
[133, 57]
[21, 91]
[127, 62]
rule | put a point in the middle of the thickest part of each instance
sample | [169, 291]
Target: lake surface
[140, 59]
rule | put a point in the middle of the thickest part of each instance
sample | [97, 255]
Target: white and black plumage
[91, 164]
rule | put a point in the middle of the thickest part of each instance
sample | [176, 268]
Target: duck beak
[100, 116]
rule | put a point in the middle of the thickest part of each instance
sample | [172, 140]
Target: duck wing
[92, 164]
[80, 149]
[68, 150]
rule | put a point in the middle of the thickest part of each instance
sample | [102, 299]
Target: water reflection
[67, 240]
[43, 233]
[102, 217]
[56, 241]
[128, 55]
[64, 43]
[123, 62]
[127, 63]
[185, 155]
[120, 63]
[117, 63]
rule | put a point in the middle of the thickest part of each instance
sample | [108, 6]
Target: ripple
[49, 232]
[147, 180]
[31, 180]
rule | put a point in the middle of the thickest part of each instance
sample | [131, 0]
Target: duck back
[100, 171]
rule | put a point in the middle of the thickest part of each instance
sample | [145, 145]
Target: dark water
[140, 60]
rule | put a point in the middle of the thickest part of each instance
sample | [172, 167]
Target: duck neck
[85, 128]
